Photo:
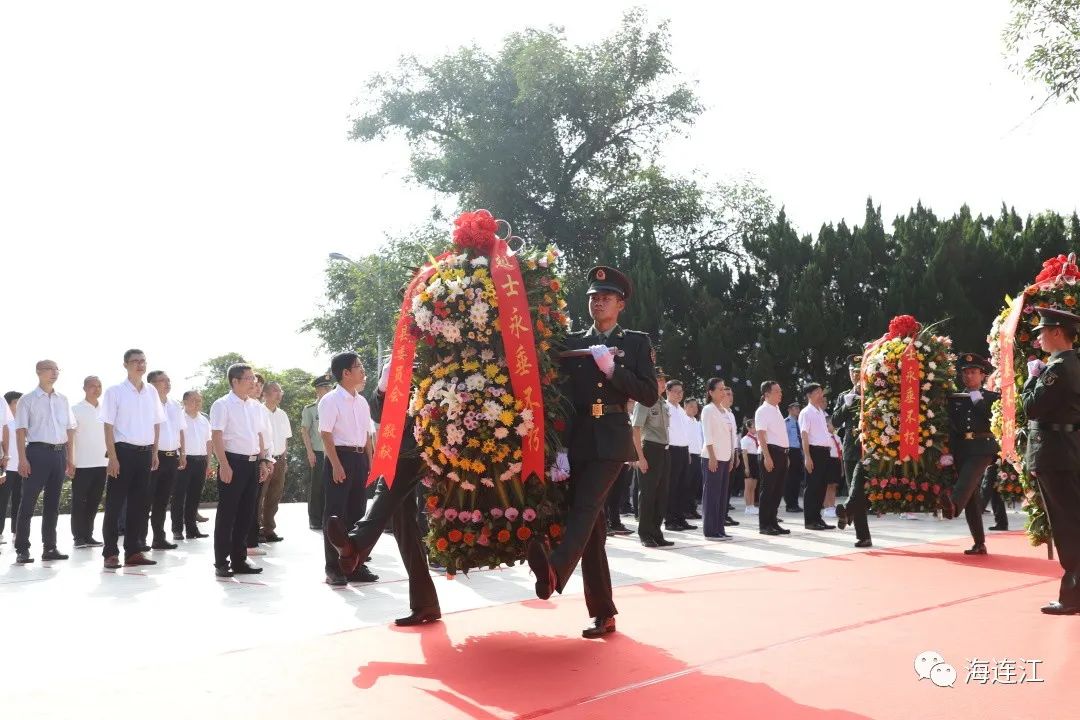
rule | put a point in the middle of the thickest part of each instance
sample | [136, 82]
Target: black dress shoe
[537, 555]
[976, 549]
[363, 575]
[178, 536]
[665, 543]
[272, 537]
[419, 617]
[145, 548]
[841, 516]
[695, 515]
[729, 522]
[820, 526]
[336, 579]
[948, 507]
[314, 526]
[223, 571]
[23, 558]
[650, 543]
[794, 509]
[245, 569]
[999, 527]
[782, 531]
[53, 554]
[864, 543]
[1056, 608]
[336, 535]
[620, 530]
[769, 531]
[600, 627]
[163, 545]
[196, 535]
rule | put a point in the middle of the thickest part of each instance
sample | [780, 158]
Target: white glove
[562, 461]
[603, 358]
[975, 395]
[849, 398]
[384, 377]
[1035, 367]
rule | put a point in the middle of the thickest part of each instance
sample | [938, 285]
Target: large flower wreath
[905, 425]
[1011, 334]
[470, 425]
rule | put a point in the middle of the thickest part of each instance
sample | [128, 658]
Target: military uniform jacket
[1054, 398]
[846, 421]
[969, 425]
[608, 436]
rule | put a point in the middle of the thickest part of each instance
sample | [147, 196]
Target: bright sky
[173, 175]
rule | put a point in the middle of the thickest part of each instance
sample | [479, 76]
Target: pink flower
[484, 540]
[511, 514]
[437, 513]
[529, 515]
[496, 513]
[873, 482]
[450, 514]
[477, 516]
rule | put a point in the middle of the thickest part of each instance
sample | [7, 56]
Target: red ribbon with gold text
[910, 393]
[399, 386]
[515, 324]
[1006, 348]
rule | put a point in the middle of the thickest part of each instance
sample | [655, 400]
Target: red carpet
[822, 638]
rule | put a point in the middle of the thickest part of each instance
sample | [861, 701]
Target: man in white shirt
[773, 442]
[345, 425]
[88, 485]
[243, 463]
[132, 413]
[267, 439]
[280, 432]
[184, 506]
[679, 452]
[816, 444]
[10, 483]
[44, 428]
[172, 458]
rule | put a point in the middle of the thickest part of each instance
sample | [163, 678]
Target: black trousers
[796, 474]
[617, 497]
[397, 505]
[87, 487]
[129, 489]
[347, 500]
[696, 482]
[815, 483]
[653, 491]
[187, 491]
[161, 487]
[10, 491]
[990, 496]
[966, 493]
[679, 490]
[586, 534]
[857, 503]
[235, 510]
[315, 491]
[253, 527]
[771, 487]
[1061, 493]
[46, 475]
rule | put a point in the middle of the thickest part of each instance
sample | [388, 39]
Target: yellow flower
[489, 447]
[472, 442]
[507, 400]
[506, 417]
[491, 370]
[470, 365]
[501, 380]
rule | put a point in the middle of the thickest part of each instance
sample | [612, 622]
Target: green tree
[1043, 36]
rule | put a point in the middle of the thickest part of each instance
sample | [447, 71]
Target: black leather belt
[169, 453]
[139, 448]
[242, 457]
[48, 446]
[350, 448]
[1056, 427]
[601, 409]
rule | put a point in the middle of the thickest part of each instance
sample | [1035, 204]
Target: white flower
[501, 433]
[487, 482]
[929, 443]
[543, 261]
[454, 435]
[451, 332]
[926, 386]
[475, 381]
[467, 486]
[523, 429]
[478, 314]
[933, 365]
[527, 415]
[930, 414]
[422, 316]
[487, 355]
[930, 377]
[479, 261]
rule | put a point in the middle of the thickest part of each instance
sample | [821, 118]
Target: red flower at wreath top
[1059, 266]
[903, 326]
[475, 230]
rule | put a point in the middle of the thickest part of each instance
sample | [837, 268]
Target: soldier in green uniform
[650, 434]
[845, 418]
[313, 445]
[1052, 403]
[972, 444]
[617, 367]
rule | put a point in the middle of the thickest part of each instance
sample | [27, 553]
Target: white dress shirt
[697, 442]
[132, 413]
[678, 426]
[812, 422]
[89, 436]
[280, 431]
[265, 426]
[46, 417]
[169, 435]
[750, 445]
[196, 434]
[346, 416]
[769, 419]
[13, 454]
[718, 425]
[240, 423]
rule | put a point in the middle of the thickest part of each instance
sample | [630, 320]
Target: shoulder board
[637, 333]
[1055, 361]
[959, 396]
[310, 405]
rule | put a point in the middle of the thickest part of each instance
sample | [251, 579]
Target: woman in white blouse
[720, 437]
